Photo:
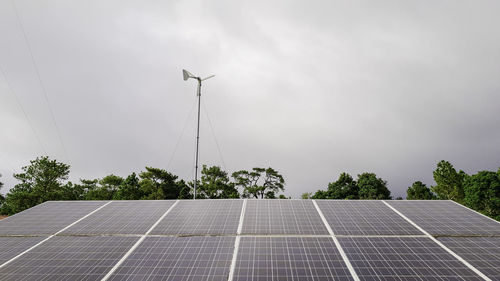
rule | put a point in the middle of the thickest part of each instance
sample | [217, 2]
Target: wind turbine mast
[186, 75]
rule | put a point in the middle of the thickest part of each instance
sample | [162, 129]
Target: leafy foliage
[448, 182]
[306, 195]
[162, 183]
[43, 180]
[46, 179]
[419, 191]
[2, 198]
[482, 193]
[371, 187]
[129, 189]
[215, 184]
[367, 186]
[259, 183]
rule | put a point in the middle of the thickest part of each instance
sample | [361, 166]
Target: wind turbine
[186, 74]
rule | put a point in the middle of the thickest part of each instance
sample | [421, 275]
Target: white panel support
[50, 237]
[337, 243]
[470, 266]
[131, 250]
[237, 241]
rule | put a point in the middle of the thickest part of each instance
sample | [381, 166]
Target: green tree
[88, 188]
[215, 184]
[129, 189]
[259, 182]
[449, 182]
[482, 193]
[344, 188]
[162, 184]
[103, 189]
[419, 191]
[186, 190]
[320, 194]
[42, 180]
[371, 187]
[306, 195]
[2, 198]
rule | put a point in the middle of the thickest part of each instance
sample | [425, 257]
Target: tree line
[480, 191]
[46, 179]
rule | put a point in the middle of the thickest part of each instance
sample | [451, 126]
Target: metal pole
[197, 139]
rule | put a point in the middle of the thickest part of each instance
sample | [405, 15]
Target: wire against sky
[182, 134]
[42, 85]
[9, 86]
[215, 137]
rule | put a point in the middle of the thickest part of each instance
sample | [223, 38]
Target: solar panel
[47, 218]
[446, 218]
[403, 258]
[282, 217]
[482, 252]
[69, 258]
[279, 240]
[355, 217]
[289, 258]
[202, 217]
[179, 258]
[122, 217]
[13, 246]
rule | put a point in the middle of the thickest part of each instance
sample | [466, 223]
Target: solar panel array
[282, 217]
[403, 258]
[482, 252]
[179, 258]
[249, 240]
[446, 218]
[47, 218]
[202, 217]
[290, 258]
[351, 217]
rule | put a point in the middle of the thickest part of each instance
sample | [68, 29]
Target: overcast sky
[310, 88]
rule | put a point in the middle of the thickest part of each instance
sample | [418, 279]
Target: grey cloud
[310, 88]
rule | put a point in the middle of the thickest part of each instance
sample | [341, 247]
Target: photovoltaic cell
[482, 252]
[363, 217]
[201, 217]
[122, 217]
[403, 258]
[13, 246]
[179, 258]
[289, 258]
[47, 218]
[282, 217]
[446, 218]
[69, 258]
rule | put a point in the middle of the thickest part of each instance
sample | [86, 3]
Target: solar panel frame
[122, 217]
[364, 217]
[69, 258]
[178, 258]
[482, 252]
[191, 217]
[55, 215]
[407, 258]
[13, 246]
[444, 217]
[276, 216]
[289, 258]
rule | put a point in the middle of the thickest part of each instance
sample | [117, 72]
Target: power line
[182, 134]
[24, 111]
[42, 85]
[215, 138]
